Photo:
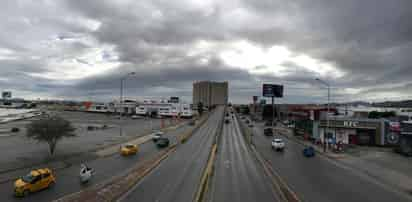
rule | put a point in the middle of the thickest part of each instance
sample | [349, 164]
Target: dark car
[227, 121]
[227, 113]
[268, 123]
[268, 131]
[247, 121]
[162, 142]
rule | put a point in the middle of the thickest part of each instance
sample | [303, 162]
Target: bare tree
[50, 129]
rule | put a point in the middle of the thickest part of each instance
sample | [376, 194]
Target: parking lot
[19, 151]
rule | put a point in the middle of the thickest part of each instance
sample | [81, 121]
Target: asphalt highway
[237, 174]
[319, 179]
[177, 178]
[107, 167]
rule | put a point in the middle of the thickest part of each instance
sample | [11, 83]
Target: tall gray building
[210, 93]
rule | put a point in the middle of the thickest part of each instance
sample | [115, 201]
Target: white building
[164, 109]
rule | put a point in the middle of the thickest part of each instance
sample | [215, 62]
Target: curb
[204, 182]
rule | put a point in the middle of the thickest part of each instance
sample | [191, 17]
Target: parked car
[15, 130]
[192, 123]
[35, 181]
[278, 144]
[157, 135]
[162, 142]
[129, 149]
[268, 131]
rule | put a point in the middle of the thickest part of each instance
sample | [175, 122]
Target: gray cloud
[370, 42]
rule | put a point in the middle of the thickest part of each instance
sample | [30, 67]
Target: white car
[278, 144]
[136, 117]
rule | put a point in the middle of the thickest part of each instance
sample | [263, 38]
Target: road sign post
[272, 90]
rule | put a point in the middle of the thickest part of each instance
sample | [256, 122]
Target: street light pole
[121, 89]
[328, 108]
[121, 99]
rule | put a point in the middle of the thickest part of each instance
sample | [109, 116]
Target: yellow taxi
[129, 149]
[34, 181]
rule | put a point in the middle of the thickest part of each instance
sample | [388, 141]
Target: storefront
[352, 131]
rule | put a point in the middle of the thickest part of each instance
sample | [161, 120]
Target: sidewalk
[379, 163]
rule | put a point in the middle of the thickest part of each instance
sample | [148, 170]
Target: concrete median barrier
[209, 169]
[118, 185]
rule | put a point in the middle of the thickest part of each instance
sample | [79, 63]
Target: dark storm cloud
[370, 41]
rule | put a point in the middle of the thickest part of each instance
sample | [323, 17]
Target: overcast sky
[79, 49]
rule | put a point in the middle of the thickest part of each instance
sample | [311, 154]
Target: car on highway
[36, 180]
[278, 144]
[268, 131]
[136, 117]
[157, 135]
[129, 149]
[227, 121]
[163, 142]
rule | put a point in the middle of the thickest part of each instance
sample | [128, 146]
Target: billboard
[255, 98]
[174, 100]
[6, 94]
[272, 90]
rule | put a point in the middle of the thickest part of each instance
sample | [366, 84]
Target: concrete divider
[118, 185]
[115, 187]
[209, 169]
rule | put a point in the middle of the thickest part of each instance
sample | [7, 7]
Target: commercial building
[165, 109]
[357, 131]
[210, 93]
[405, 138]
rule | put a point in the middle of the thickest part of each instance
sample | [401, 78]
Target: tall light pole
[121, 98]
[327, 115]
[121, 88]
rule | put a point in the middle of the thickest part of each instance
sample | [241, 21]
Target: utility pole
[328, 108]
[121, 98]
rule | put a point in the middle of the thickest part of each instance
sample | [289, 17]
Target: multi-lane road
[320, 179]
[238, 176]
[177, 178]
[105, 167]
